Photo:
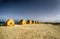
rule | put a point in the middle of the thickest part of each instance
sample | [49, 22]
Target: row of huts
[11, 22]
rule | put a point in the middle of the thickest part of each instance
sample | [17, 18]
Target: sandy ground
[33, 31]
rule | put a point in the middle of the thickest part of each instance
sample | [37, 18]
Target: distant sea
[2, 23]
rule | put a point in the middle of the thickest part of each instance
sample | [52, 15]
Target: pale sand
[33, 31]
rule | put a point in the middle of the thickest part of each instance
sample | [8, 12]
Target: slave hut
[37, 22]
[29, 22]
[10, 22]
[22, 22]
[33, 22]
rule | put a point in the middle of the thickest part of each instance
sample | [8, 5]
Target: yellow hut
[10, 22]
[29, 22]
[37, 22]
[22, 22]
[33, 22]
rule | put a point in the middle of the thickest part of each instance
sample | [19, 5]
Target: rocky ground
[33, 31]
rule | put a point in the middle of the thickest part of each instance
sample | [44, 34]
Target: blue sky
[42, 10]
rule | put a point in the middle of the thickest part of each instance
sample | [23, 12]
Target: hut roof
[22, 20]
[9, 19]
[29, 20]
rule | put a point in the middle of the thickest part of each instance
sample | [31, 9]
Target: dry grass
[33, 31]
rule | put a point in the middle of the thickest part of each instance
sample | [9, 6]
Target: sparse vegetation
[30, 31]
[55, 23]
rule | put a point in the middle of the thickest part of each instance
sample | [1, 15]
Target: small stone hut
[22, 22]
[10, 22]
[29, 22]
[37, 22]
[33, 22]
